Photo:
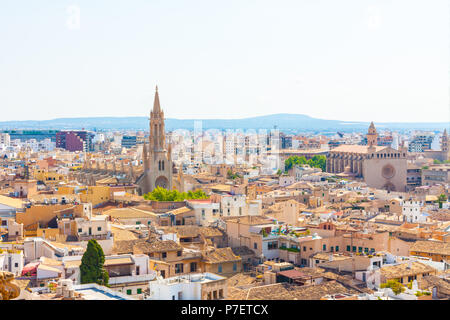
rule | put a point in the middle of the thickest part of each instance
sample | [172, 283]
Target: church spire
[156, 105]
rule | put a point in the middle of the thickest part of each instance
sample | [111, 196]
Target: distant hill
[283, 121]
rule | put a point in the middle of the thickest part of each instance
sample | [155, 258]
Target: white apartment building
[35, 248]
[412, 211]
[95, 227]
[200, 286]
[223, 205]
[206, 211]
[5, 139]
[128, 273]
[11, 261]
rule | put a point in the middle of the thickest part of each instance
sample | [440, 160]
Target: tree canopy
[436, 161]
[318, 161]
[441, 199]
[396, 286]
[161, 194]
[91, 268]
[231, 175]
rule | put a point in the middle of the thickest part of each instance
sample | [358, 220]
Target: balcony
[131, 279]
[86, 237]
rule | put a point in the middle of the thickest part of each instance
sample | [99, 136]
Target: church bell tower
[156, 158]
[372, 136]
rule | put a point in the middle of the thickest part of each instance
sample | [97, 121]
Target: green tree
[441, 199]
[436, 161]
[161, 194]
[91, 268]
[318, 161]
[231, 175]
[396, 286]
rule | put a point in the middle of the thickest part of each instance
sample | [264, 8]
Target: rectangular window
[80, 230]
[324, 247]
[304, 248]
[354, 249]
[348, 248]
[255, 245]
[360, 249]
[272, 245]
[234, 267]
[179, 268]
[164, 255]
[219, 268]
[138, 222]
[193, 266]
[366, 250]
[337, 248]
[139, 291]
[179, 253]
[129, 292]
[99, 229]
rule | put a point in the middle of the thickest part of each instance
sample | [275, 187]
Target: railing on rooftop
[131, 279]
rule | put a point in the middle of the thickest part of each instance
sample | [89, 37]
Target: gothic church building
[380, 167]
[157, 159]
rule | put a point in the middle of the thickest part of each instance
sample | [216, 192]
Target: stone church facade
[380, 167]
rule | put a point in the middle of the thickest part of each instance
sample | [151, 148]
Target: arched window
[162, 165]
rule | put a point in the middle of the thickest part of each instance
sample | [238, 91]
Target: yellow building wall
[47, 233]
[66, 190]
[95, 195]
[49, 176]
[38, 214]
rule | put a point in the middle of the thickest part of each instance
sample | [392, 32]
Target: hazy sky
[381, 60]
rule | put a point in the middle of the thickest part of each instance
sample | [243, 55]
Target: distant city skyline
[386, 61]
